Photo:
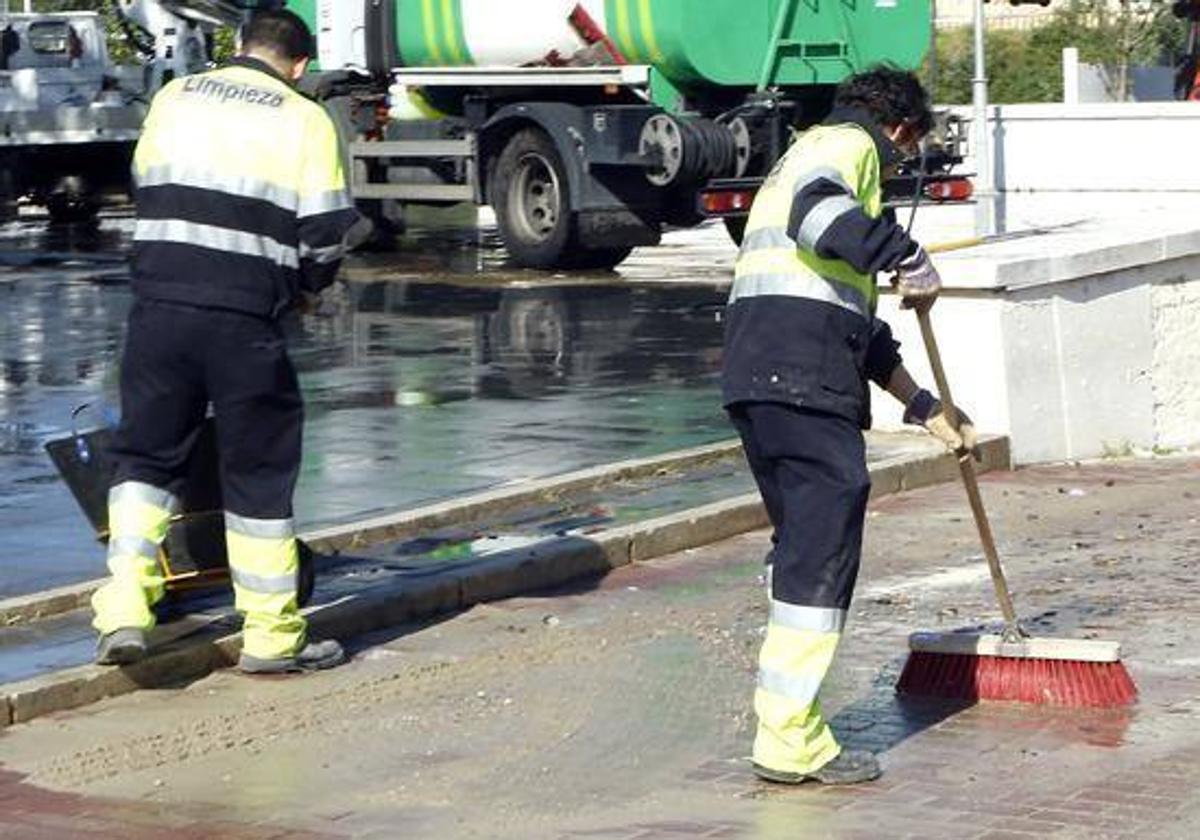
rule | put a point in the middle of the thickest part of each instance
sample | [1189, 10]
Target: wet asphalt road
[443, 371]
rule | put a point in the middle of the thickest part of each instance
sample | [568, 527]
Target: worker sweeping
[242, 214]
[802, 340]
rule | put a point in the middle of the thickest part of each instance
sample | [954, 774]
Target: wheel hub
[536, 197]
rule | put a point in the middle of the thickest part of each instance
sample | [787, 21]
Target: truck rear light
[726, 202]
[954, 189]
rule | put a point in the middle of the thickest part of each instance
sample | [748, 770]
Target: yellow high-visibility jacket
[800, 325]
[241, 193]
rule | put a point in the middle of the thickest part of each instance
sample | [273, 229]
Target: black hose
[709, 151]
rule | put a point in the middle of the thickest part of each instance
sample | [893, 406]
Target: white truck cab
[51, 60]
[68, 117]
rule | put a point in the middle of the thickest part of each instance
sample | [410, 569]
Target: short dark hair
[280, 31]
[892, 96]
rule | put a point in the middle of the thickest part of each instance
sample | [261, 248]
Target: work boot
[850, 767]
[123, 646]
[314, 656]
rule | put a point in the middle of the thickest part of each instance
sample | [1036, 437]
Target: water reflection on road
[442, 372]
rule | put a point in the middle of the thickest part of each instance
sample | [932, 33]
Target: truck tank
[518, 104]
[692, 44]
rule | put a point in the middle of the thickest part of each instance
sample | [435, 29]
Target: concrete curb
[26, 608]
[491, 502]
[408, 599]
[394, 526]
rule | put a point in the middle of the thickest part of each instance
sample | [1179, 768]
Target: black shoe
[851, 767]
[315, 656]
[123, 646]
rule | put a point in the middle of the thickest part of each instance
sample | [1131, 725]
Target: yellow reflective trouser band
[262, 562]
[793, 736]
[138, 515]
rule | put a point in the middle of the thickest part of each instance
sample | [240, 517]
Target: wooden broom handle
[966, 468]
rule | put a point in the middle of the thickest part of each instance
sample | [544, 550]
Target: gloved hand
[360, 234]
[925, 409]
[331, 302]
[917, 280]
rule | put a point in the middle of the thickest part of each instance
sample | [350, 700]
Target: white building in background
[1000, 14]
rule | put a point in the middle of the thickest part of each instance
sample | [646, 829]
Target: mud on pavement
[621, 708]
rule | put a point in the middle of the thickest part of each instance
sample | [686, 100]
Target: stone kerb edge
[398, 602]
[27, 608]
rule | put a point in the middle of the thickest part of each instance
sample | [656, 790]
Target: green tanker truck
[589, 125]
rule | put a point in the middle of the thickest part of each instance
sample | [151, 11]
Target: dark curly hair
[891, 95]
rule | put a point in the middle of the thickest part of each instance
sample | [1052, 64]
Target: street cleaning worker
[801, 341]
[242, 214]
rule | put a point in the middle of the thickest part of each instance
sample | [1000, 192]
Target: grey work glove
[362, 232]
[330, 302]
[917, 280]
[924, 409]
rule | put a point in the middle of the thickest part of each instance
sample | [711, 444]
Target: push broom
[1011, 665]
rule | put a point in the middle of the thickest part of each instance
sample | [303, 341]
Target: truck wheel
[735, 226]
[530, 196]
[8, 190]
[65, 210]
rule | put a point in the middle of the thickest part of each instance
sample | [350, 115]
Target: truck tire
[69, 210]
[8, 190]
[531, 197]
[529, 191]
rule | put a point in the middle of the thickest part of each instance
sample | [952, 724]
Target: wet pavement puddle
[442, 371]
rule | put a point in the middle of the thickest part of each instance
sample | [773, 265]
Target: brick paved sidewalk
[28, 812]
[995, 771]
[622, 711]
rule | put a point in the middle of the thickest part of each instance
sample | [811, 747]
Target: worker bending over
[242, 215]
[801, 341]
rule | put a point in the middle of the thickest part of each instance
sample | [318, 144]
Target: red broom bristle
[1052, 682]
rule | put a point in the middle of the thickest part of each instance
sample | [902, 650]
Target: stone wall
[1089, 147]
[1175, 363]
[1076, 345]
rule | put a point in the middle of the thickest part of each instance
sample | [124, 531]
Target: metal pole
[985, 190]
[933, 60]
[1070, 64]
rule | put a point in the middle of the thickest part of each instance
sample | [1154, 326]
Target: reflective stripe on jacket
[778, 254]
[241, 193]
[801, 326]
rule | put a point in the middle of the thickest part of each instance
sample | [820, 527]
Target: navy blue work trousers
[811, 470]
[177, 360]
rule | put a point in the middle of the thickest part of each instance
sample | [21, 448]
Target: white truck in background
[70, 116]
